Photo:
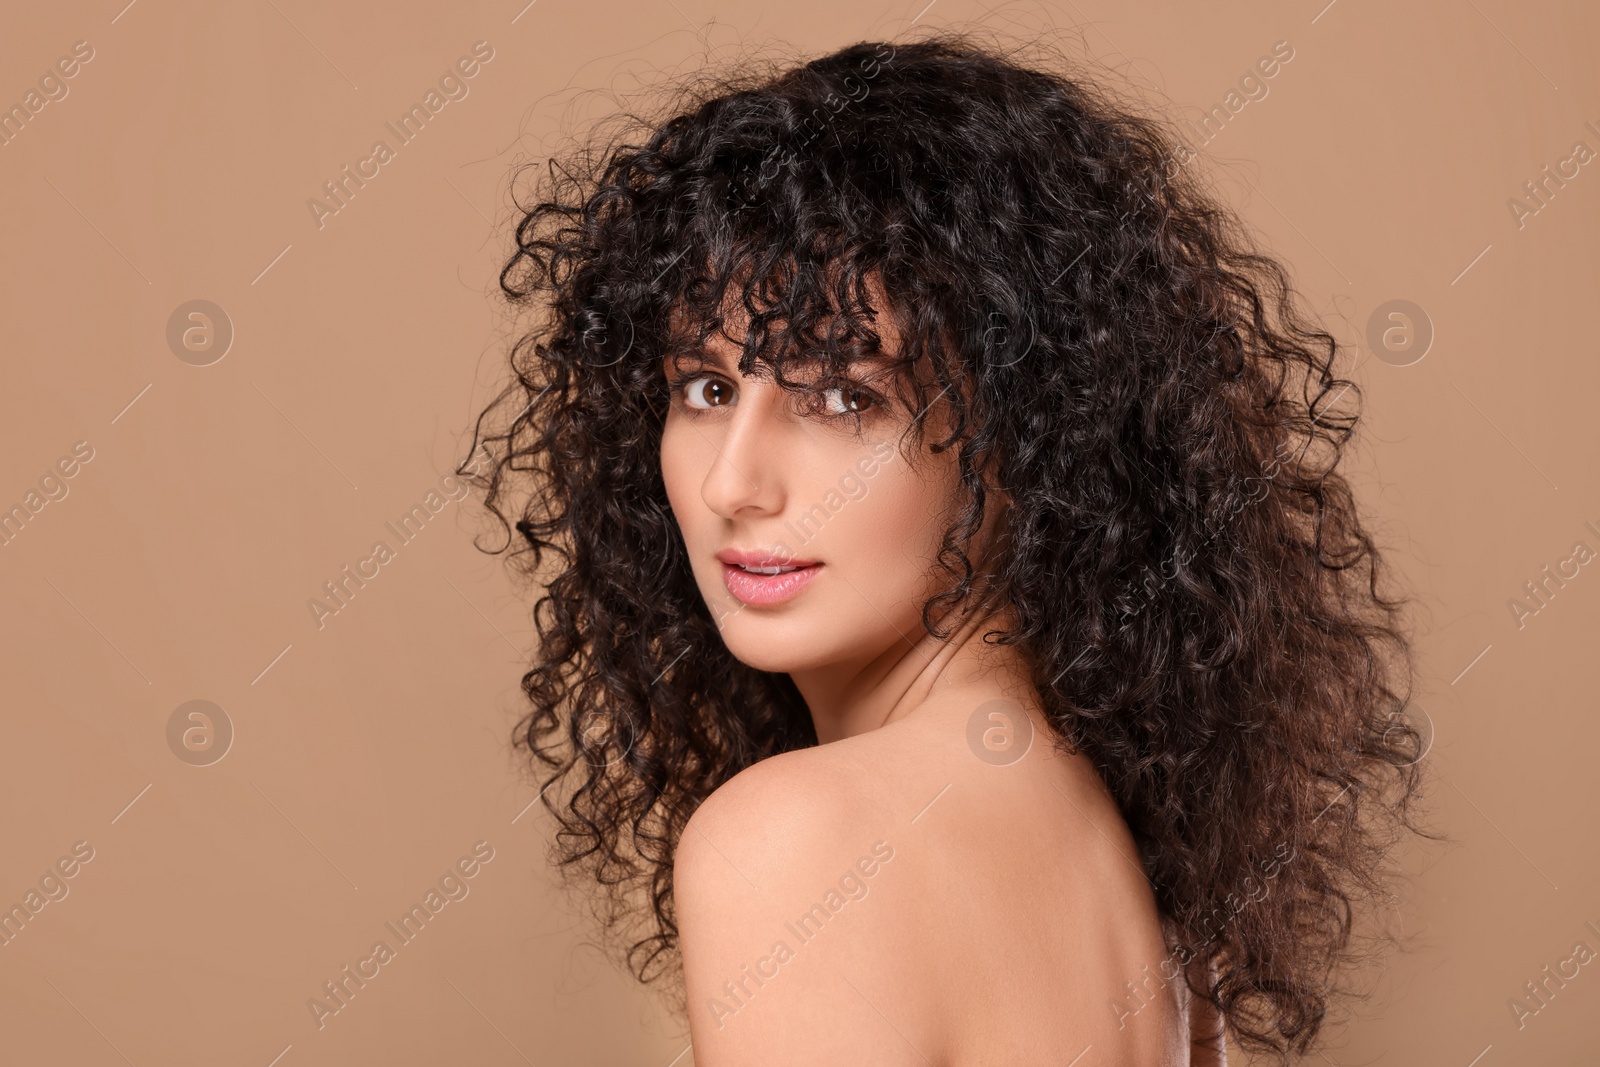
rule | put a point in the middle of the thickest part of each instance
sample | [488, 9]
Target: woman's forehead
[872, 343]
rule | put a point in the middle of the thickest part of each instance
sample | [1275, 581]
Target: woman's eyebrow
[868, 367]
[692, 354]
[876, 367]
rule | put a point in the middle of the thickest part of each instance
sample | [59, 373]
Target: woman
[959, 645]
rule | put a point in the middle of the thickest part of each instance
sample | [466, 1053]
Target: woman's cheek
[904, 524]
[682, 482]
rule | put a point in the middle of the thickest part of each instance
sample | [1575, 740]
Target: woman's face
[811, 537]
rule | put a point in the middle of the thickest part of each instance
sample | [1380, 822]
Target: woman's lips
[762, 590]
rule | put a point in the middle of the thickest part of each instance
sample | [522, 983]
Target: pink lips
[740, 577]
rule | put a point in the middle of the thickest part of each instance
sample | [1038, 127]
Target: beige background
[370, 754]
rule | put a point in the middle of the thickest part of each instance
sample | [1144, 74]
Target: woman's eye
[847, 400]
[706, 392]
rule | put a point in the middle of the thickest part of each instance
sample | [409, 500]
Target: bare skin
[915, 889]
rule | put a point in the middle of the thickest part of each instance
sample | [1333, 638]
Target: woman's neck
[850, 699]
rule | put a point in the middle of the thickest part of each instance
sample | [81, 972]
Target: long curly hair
[1194, 593]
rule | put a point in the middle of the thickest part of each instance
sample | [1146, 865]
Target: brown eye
[847, 400]
[707, 392]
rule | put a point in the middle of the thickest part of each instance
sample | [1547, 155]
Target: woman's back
[1004, 919]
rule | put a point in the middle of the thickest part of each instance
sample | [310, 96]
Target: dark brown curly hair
[1194, 592]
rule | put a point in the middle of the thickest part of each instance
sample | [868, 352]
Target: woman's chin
[774, 657]
[779, 646]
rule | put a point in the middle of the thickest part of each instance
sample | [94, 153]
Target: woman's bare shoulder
[930, 778]
[897, 875]
[774, 814]
[783, 918]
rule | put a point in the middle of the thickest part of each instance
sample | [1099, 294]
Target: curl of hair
[1194, 592]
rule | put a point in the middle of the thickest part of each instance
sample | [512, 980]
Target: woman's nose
[746, 477]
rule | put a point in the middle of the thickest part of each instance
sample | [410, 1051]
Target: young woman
[957, 643]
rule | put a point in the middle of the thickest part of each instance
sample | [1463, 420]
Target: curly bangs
[1194, 591]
